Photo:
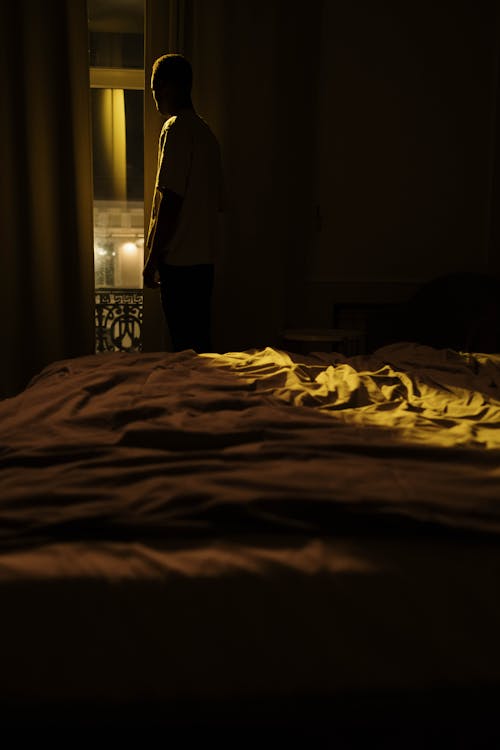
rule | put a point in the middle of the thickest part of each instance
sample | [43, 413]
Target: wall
[405, 143]
[256, 64]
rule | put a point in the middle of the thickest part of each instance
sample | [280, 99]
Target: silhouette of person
[182, 240]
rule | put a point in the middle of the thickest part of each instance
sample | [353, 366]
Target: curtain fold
[46, 257]
[494, 193]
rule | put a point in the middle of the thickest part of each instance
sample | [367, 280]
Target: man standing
[183, 232]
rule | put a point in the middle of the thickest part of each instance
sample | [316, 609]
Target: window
[116, 55]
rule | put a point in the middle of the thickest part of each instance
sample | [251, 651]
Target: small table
[306, 340]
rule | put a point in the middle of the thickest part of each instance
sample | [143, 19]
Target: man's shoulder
[188, 128]
[176, 132]
[169, 124]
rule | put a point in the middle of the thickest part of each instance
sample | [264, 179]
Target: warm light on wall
[112, 135]
[130, 265]
[129, 248]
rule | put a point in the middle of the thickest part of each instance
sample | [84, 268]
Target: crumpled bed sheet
[124, 446]
[218, 528]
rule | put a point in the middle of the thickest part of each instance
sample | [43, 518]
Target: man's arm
[164, 230]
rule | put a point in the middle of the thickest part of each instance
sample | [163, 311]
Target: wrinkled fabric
[139, 445]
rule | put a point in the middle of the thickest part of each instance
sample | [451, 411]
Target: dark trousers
[186, 298]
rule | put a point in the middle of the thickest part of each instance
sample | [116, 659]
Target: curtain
[46, 254]
[494, 195]
[166, 27]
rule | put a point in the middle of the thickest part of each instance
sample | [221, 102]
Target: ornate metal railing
[118, 320]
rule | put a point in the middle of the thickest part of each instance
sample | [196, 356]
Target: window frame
[117, 78]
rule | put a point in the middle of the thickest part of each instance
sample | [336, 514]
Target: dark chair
[458, 311]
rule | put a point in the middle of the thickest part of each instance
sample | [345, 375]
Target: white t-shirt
[189, 164]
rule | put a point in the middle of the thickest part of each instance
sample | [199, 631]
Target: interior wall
[255, 71]
[405, 142]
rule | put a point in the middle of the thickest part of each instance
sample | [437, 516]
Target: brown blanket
[249, 526]
[121, 445]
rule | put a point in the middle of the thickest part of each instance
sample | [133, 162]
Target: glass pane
[111, 50]
[118, 144]
[118, 166]
[116, 33]
[118, 244]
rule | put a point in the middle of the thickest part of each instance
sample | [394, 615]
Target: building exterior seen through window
[116, 55]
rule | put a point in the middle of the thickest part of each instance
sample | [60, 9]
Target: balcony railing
[118, 319]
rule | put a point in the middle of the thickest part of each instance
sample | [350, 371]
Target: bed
[254, 544]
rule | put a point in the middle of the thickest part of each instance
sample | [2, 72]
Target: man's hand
[149, 275]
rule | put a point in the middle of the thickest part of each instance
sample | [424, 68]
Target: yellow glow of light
[130, 248]
[113, 133]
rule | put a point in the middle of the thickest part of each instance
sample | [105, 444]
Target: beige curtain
[46, 256]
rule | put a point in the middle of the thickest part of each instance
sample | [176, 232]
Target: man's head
[171, 81]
